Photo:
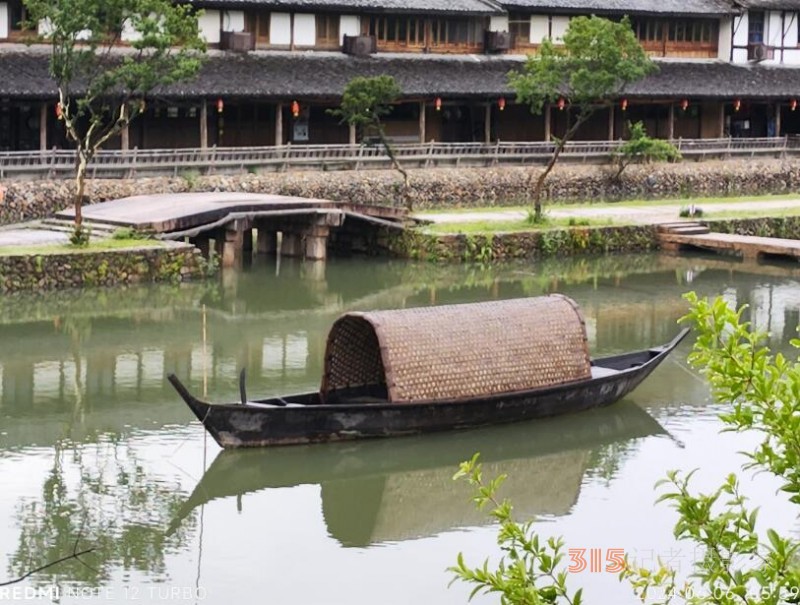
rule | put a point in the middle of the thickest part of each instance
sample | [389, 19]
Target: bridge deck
[748, 246]
[163, 213]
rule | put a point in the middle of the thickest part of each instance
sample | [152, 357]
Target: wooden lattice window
[457, 32]
[519, 26]
[327, 30]
[258, 24]
[397, 31]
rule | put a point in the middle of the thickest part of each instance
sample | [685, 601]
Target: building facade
[274, 68]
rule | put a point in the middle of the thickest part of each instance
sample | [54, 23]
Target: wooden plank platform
[164, 213]
[746, 246]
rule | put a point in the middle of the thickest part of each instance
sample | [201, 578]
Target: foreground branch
[74, 555]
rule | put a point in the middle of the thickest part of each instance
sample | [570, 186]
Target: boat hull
[236, 425]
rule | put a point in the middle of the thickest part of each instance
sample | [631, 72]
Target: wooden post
[671, 121]
[547, 123]
[203, 124]
[266, 241]
[422, 122]
[721, 120]
[487, 124]
[777, 119]
[611, 116]
[278, 124]
[43, 127]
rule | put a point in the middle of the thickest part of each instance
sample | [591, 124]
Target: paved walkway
[18, 236]
[640, 214]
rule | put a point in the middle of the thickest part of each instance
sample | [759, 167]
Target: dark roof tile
[661, 7]
[461, 7]
[285, 76]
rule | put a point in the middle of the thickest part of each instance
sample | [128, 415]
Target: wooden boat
[410, 371]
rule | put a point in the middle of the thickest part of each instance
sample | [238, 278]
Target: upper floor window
[258, 24]
[398, 31]
[327, 30]
[755, 27]
[17, 16]
[457, 32]
[519, 26]
[696, 38]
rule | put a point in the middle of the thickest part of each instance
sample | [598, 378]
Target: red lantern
[220, 105]
[562, 103]
[737, 104]
[501, 103]
[437, 103]
[793, 104]
[684, 104]
[59, 111]
[295, 108]
[623, 104]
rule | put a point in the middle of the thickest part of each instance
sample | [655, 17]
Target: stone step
[698, 230]
[673, 226]
[97, 229]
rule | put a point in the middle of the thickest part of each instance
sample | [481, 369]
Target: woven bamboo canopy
[454, 352]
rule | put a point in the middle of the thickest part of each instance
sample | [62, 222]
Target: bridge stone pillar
[233, 248]
[291, 244]
[316, 242]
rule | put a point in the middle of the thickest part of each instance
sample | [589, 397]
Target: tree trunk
[537, 192]
[396, 165]
[80, 184]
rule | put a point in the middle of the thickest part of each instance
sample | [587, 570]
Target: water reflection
[389, 490]
[101, 497]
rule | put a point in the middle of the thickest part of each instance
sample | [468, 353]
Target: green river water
[95, 447]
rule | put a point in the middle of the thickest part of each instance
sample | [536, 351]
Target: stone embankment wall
[523, 245]
[569, 241]
[438, 187]
[178, 262]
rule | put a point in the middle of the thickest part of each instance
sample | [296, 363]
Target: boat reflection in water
[400, 489]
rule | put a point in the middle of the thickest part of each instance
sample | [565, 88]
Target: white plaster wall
[209, 26]
[280, 29]
[558, 27]
[740, 55]
[305, 29]
[45, 28]
[772, 28]
[540, 28]
[791, 57]
[740, 29]
[129, 34]
[498, 23]
[3, 20]
[790, 27]
[349, 25]
[233, 21]
[725, 33]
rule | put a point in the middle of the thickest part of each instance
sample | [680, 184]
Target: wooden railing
[61, 162]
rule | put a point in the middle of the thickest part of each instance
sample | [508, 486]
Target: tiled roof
[459, 7]
[715, 79]
[769, 4]
[309, 75]
[660, 7]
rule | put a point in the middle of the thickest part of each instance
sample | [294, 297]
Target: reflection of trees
[606, 462]
[100, 496]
